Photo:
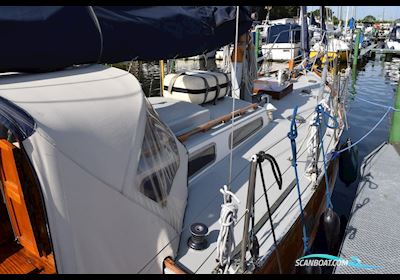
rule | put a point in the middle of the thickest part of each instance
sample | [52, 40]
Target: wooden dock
[372, 235]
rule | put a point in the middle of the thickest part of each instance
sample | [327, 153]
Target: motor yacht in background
[393, 42]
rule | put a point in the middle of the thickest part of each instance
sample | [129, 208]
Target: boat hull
[291, 246]
[280, 51]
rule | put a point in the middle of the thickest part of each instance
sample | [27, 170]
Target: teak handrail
[206, 126]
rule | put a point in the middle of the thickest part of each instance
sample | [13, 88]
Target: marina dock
[372, 233]
[365, 51]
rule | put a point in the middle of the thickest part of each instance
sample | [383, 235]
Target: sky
[389, 12]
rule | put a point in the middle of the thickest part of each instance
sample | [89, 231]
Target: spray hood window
[159, 159]
[15, 121]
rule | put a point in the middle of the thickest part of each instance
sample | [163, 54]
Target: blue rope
[292, 136]
[335, 154]
[320, 111]
[325, 116]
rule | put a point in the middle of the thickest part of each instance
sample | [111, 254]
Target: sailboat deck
[204, 201]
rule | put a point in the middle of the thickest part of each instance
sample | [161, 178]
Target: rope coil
[227, 220]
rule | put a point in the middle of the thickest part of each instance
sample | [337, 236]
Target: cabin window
[201, 159]
[20, 125]
[283, 33]
[159, 159]
[244, 132]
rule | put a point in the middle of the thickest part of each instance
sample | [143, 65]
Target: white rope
[226, 241]
[226, 59]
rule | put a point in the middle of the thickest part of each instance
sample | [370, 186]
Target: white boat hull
[393, 45]
[281, 51]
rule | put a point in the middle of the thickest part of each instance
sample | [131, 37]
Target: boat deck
[372, 234]
[204, 201]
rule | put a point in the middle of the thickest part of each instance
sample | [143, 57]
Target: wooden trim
[291, 64]
[242, 42]
[206, 126]
[15, 200]
[171, 266]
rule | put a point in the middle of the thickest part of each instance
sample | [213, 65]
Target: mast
[325, 41]
[304, 32]
[322, 21]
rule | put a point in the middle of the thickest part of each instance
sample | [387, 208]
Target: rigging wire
[233, 98]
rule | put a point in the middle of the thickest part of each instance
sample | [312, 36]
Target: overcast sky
[389, 12]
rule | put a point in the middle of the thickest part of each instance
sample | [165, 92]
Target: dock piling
[356, 48]
[257, 42]
[394, 136]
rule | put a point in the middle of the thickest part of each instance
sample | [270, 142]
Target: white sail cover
[90, 126]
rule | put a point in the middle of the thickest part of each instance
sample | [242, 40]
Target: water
[374, 81]
[377, 82]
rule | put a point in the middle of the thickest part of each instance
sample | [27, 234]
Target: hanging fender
[348, 163]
